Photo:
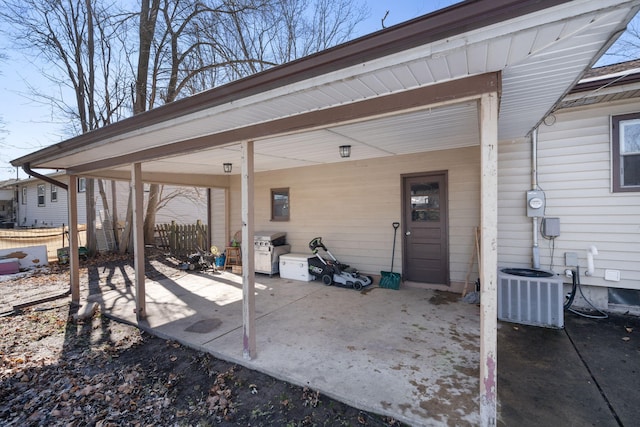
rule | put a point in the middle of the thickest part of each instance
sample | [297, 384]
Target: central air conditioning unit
[530, 297]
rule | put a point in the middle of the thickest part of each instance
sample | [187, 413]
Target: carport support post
[74, 256]
[138, 239]
[248, 260]
[489, 257]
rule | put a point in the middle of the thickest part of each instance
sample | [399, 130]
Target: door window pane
[425, 202]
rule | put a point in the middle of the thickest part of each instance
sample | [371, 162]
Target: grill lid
[268, 236]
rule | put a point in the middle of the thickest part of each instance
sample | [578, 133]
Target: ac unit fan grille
[530, 300]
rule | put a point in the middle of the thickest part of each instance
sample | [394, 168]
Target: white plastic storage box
[295, 267]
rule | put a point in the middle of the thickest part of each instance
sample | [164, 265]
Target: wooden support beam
[248, 260]
[74, 255]
[489, 258]
[138, 239]
[114, 214]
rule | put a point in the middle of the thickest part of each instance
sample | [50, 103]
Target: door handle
[407, 233]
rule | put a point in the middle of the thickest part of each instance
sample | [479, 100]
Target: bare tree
[627, 47]
[76, 37]
[178, 47]
[277, 32]
[3, 57]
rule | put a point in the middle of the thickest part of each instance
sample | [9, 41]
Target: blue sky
[30, 125]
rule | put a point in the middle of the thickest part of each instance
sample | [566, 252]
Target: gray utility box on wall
[535, 203]
[530, 297]
[551, 227]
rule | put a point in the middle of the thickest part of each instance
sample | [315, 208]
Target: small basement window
[82, 185]
[280, 204]
[41, 194]
[625, 149]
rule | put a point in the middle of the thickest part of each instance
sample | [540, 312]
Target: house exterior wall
[185, 207]
[574, 170]
[218, 218]
[352, 206]
[51, 214]
[6, 205]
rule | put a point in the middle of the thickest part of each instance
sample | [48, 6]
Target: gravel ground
[99, 372]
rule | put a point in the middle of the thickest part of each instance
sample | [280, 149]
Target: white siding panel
[514, 228]
[574, 171]
[52, 214]
[352, 205]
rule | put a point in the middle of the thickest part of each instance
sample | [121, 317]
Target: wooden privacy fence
[182, 239]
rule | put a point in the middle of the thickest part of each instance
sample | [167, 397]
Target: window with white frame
[625, 150]
[41, 194]
[82, 185]
[24, 196]
[54, 193]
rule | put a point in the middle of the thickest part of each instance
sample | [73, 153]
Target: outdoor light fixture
[227, 167]
[345, 151]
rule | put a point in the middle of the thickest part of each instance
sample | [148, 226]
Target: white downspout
[534, 186]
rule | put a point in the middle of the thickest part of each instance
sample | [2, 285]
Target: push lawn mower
[332, 271]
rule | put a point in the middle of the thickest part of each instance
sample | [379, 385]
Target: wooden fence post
[173, 237]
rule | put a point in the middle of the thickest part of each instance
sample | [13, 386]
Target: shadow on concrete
[587, 374]
[411, 354]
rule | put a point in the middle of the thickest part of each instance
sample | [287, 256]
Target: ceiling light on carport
[345, 151]
[227, 167]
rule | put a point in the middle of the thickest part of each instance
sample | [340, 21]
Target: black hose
[575, 276]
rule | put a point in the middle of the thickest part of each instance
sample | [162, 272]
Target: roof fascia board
[597, 84]
[180, 179]
[428, 96]
[448, 22]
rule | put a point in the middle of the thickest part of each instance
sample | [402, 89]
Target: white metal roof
[540, 56]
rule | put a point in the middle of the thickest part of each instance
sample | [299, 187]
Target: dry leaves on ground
[105, 373]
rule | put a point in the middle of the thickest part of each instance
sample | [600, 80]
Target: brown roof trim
[605, 82]
[456, 19]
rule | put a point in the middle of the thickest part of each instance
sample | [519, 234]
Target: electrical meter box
[535, 203]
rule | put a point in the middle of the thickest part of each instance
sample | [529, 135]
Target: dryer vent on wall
[530, 297]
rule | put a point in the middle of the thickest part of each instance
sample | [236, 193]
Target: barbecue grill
[268, 246]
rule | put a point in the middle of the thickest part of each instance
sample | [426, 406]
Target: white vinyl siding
[514, 228]
[353, 204]
[187, 204]
[574, 170]
[218, 218]
[185, 208]
[50, 215]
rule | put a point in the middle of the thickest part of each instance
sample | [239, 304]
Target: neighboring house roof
[381, 94]
[606, 84]
[9, 183]
[31, 180]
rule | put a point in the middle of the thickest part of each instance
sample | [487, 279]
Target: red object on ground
[9, 266]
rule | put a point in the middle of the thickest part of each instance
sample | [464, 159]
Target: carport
[411, 355]
[472, 75]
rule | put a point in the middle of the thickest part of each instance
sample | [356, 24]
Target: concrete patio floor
[411, 354]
